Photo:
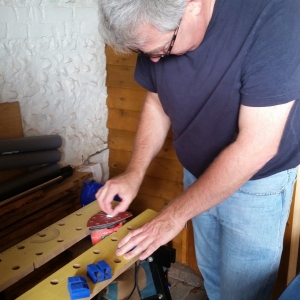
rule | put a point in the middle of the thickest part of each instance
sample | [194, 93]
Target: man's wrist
[137, 173]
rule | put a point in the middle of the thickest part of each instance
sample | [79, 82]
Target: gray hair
[121, 20]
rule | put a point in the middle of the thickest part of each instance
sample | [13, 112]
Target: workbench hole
[78, 214]
[60, 240]
[117, 260]
[39, 253]
[76, 266]
[16, 268]
[96, 251]
[61, 224]
[54, 281]
[21, 247]
[79, 228]
[114, 239]
[42, 234]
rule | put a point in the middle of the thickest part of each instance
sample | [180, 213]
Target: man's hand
[125, 185]
[148, 238]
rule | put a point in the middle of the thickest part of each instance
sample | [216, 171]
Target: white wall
[52, 61]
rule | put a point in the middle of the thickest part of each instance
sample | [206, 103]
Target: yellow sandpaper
[18, 261]
[55, 286]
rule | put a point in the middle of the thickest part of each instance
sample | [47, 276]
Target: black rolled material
[29, 159]
[31, 143]
[24, 182]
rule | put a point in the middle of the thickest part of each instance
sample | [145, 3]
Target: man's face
[161, 43]
[189, 34]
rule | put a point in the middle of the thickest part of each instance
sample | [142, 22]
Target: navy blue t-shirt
[250, 55]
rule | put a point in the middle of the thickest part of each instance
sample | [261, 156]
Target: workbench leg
[162, 257]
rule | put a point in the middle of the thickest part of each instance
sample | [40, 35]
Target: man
[230, 90]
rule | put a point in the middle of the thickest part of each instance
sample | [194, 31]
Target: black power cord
[137, 280]
[87, 161]
[136, 284]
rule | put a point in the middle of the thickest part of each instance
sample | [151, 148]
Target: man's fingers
[101, 196]
[138, 242]
[147, 239]
[105, 197]
[136, 250]
[131, 240]
[129, 237]
[118, 186]
[107, 201]
[122, 206]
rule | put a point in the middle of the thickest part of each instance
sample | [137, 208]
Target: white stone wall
[52, 61]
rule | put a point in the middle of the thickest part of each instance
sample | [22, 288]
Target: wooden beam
[163, 168]
[295, 233]
[123, 119]
[124, 140]
[129, 99]
[121, 76]
[13, 211]
[120, 59]
[55, 286]
[11, 206]
[156, 187]
[10, 121]
[10, 128]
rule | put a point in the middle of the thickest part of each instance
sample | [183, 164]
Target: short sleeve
[144, 74]
[271, 73]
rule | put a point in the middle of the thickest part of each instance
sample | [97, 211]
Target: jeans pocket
[272, 185]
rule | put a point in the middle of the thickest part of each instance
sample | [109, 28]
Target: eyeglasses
[167, 53]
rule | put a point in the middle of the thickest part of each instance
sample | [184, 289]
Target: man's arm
[151, 133]
[260, 132]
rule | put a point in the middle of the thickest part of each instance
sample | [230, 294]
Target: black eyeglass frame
[139, 52]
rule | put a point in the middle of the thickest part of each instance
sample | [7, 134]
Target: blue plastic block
[88, 191]
[105, 268]
[99, 272]
[94, 273]
[78, 287]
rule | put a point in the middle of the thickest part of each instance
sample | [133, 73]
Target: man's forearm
[226, 175]
[151, 133]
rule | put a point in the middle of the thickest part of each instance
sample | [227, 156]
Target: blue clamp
[99, 272]
[105, 268]
[78, 287]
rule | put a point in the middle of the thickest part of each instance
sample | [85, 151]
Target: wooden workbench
[55, 286]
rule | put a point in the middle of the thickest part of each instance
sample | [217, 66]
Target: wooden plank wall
[10, 128]
[163, 181]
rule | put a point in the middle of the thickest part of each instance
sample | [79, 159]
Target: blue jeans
[238, 243]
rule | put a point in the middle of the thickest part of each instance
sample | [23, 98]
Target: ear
[195, 6]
